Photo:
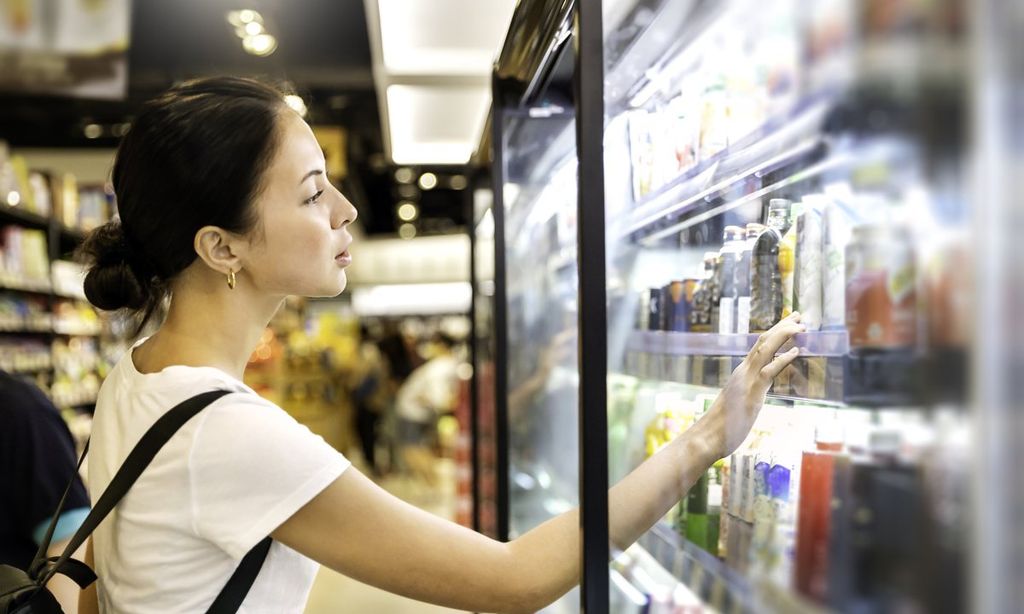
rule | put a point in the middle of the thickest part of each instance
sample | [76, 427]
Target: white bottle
[837, 236]
[809, 245]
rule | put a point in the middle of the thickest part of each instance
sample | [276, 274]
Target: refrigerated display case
[798, 156]
[737, 161]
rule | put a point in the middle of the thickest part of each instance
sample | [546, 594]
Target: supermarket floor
[334, 593]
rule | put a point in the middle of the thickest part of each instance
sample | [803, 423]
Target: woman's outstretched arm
[360, 530]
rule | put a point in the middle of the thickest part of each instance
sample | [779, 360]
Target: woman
[225, 206]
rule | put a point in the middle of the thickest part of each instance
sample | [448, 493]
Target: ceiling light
[297, 104]
[435, 124]
[260, 45]
[93, 131]
[458, 182]
[428, 181]
[241, 17]
[253, 28]
[404, 175]
[407, 212]
[120, 130]
[407, 231]
[442, 37]
[13, 198]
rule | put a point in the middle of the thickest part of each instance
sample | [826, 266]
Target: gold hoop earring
[231, 280]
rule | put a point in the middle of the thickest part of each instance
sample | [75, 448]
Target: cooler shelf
[722, 588]
[818, 343]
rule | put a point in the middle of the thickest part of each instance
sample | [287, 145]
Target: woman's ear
[219, 249]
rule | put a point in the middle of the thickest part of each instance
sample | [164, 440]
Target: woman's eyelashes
[314, 198]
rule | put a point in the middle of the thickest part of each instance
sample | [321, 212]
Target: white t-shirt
[428, 389]
[227, 479]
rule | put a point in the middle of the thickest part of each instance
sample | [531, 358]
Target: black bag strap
[44, 545]
[237, 587]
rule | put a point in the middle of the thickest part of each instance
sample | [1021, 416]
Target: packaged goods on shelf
[21, 312]
[24, 356]
[95, 207]
[24, 256]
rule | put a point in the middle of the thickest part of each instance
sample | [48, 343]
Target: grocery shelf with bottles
[49, 333]
[735, 162]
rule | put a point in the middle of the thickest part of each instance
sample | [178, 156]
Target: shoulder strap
[138, 459]
[234, 592]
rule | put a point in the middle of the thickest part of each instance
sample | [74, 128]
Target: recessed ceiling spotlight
[407, 231]
[428, 181]
[253, 28]
[458, 182]
[404, 175]
[93, 131]
[297, 104]
[242, 17]
[407, 211]
[260, 45]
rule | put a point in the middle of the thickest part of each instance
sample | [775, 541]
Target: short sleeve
[251, 467]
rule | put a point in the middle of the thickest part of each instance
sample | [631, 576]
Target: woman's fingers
[779, 363]
[770, 341]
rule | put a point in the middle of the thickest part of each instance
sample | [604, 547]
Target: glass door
[764, 158]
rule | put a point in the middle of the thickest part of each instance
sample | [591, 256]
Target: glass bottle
[766, 276]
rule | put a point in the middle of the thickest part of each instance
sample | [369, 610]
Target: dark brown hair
[194, 156]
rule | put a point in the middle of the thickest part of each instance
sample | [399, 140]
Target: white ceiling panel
[442, 37]
[439, 124]
[432, 61]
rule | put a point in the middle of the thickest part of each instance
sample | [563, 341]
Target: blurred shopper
[37, 461]
[225, 209]
[427, 393]
[370, 396]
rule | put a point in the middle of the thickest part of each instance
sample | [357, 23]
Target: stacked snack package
[24, 255]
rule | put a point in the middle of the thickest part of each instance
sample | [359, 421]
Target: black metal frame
[588, 84]
[500, 316]
[474, 383]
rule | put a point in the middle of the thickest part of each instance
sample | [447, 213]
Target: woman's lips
[343, 259]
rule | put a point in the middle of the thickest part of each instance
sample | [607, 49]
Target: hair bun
[111, 282]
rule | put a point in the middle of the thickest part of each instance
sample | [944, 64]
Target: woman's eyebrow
[311, 173]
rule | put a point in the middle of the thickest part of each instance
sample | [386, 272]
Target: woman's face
[300, 244]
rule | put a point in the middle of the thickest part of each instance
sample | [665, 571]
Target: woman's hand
[731, 417]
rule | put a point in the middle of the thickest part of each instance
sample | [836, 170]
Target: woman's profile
[226, 209]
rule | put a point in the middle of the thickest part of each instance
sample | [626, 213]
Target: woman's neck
[208, 326]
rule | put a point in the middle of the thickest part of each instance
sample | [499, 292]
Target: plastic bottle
[787, 260]
[700, 311]
[732, 249]
[807, 280]
[766, 278]
[837, 236]
[744, 278]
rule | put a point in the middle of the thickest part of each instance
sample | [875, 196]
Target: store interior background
[397, 93]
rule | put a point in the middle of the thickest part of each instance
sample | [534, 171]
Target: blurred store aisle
[334, 593]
